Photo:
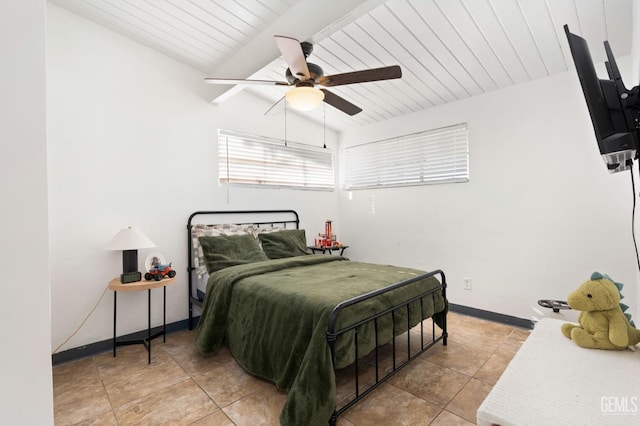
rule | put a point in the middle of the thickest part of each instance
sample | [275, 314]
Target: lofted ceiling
[448, 49]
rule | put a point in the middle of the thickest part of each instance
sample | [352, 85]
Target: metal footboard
[333, 334]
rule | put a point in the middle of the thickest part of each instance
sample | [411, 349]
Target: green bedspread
[274, 315]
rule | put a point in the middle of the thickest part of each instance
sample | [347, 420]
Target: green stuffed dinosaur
[603, 323]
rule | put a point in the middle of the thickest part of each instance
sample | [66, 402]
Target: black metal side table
[115, 285]
[323, 250]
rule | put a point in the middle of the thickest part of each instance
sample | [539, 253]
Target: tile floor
[444, 386]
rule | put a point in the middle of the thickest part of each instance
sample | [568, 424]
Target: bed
[298, 319]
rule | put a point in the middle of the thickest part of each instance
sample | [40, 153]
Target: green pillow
[224, 251]
[286, 243]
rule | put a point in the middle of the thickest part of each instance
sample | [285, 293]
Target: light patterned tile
[228, 382]
[467, 401]
[128, 382]
[417, 340]
[344, 422]
[259, 408]
[520, 334]
[509, 347]
[489, 326]
[218, 418]
[184, 352]
[84, 402]
[462, 358]
[178, 404]
[431, 382]
[491, 371]
[455, 319]
[177, 341]
[446, 418]
[481, 339]
[127, 358]
[67, 376]
[107, 418]
[163, 391]
[78, 393]
[389, 405]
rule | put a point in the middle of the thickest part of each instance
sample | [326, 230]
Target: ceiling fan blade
[374, 74]
[340, 103]
[293, 56]
[241, 81]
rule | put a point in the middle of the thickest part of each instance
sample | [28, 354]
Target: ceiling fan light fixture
[305, 98]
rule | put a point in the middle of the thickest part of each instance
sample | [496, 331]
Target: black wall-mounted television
[614, 110]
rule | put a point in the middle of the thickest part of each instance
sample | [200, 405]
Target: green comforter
[273, 316]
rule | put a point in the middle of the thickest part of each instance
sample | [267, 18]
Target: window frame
[311, 168]
[430, 157]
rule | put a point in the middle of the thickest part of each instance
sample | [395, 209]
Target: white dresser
[552, 381]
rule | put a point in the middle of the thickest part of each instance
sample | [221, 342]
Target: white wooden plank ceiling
[448, 49]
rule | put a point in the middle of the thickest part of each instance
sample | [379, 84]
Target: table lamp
[129, 240]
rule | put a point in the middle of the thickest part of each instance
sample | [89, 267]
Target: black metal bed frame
[332, 333]
[287, 217]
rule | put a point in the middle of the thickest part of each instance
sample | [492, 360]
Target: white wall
[539, 214]
[133, 141]
[26, 395]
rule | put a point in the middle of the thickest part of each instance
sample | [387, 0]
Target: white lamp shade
[304, 98]
[129, 239]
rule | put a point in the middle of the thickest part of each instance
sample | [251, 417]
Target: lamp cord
[83, 321]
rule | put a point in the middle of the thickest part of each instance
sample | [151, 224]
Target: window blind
[429, 157]
[260, 161]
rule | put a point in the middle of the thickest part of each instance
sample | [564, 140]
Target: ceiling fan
[304, 76]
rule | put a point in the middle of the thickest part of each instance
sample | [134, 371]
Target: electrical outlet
[467, 283]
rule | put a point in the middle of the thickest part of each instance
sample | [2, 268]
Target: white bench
[552, 381]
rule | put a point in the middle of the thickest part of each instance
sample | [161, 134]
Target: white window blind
[430, 157]
[257, 160]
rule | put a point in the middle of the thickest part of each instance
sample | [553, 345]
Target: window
[257, 160]
[430, 157]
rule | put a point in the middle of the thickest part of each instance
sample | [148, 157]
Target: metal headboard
[236, 217]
